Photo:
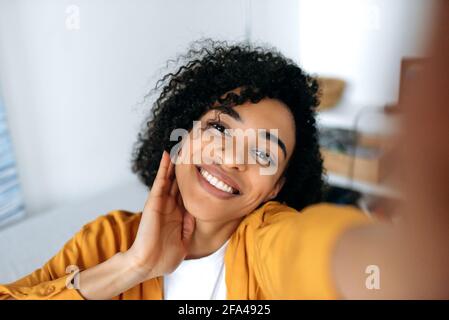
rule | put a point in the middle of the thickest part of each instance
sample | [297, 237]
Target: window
[11, 200]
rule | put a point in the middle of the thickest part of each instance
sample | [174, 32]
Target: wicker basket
[331, 91]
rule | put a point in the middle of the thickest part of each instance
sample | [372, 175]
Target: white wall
[362, 41]
[73, 96]
[276, 22]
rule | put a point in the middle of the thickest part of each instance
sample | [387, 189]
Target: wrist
[109, 278]
[140, 269]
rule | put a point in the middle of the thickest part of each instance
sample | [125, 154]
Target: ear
[277, 187]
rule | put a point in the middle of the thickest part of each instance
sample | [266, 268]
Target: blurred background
[73, 76]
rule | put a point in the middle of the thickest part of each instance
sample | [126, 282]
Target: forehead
[266, 114]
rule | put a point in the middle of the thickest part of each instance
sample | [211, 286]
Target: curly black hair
[214, 68]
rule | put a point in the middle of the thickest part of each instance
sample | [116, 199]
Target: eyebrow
[230, 112]
[236, 116]
[281, 144]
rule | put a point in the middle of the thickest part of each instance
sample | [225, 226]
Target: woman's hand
[161, 242]
[165, 227]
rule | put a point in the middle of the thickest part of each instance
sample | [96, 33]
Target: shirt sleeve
[295, 253]
[96, 242]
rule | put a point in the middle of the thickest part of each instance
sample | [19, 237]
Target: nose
[233, 160]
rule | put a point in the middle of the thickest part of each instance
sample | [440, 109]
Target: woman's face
[230, 164]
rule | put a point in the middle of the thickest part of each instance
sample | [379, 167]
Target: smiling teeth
[216, 182]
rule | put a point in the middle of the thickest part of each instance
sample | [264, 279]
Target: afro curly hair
[213, 68]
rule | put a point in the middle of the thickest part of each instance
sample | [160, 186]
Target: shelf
[371, 118]
[363, 187]
[368, 119]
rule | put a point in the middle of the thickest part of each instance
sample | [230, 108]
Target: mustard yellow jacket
[275, 253]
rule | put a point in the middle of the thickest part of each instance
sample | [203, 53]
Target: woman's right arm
[161, 243]
[110, 278]
[103, 281]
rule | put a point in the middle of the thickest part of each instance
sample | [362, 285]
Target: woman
[218, 228]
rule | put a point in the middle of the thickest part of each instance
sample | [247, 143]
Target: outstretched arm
[412, 256]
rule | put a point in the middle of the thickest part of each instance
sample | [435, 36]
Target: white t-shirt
[198, 279]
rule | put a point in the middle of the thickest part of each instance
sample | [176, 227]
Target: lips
[221, 175]
[217, 183]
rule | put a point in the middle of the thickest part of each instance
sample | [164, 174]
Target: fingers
[180, 202]
[163, 166]
[171, 170]
[161, 184]
[188, 226]
[174, 188]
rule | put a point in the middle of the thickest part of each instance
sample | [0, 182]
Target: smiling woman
[235, 170]
[218, 78]
[217, 228]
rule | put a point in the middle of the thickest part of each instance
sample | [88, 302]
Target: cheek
[182, 176]
[261, 185]
[185, 152]
[179, 174]
[192, 150]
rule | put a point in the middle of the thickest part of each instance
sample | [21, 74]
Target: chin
[203, 209]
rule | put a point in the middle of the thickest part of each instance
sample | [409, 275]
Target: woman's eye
[219, 127]
[264, 158]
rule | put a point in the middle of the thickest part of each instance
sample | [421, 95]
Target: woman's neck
[208, 237]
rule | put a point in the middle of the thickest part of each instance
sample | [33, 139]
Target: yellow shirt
[275, 253]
